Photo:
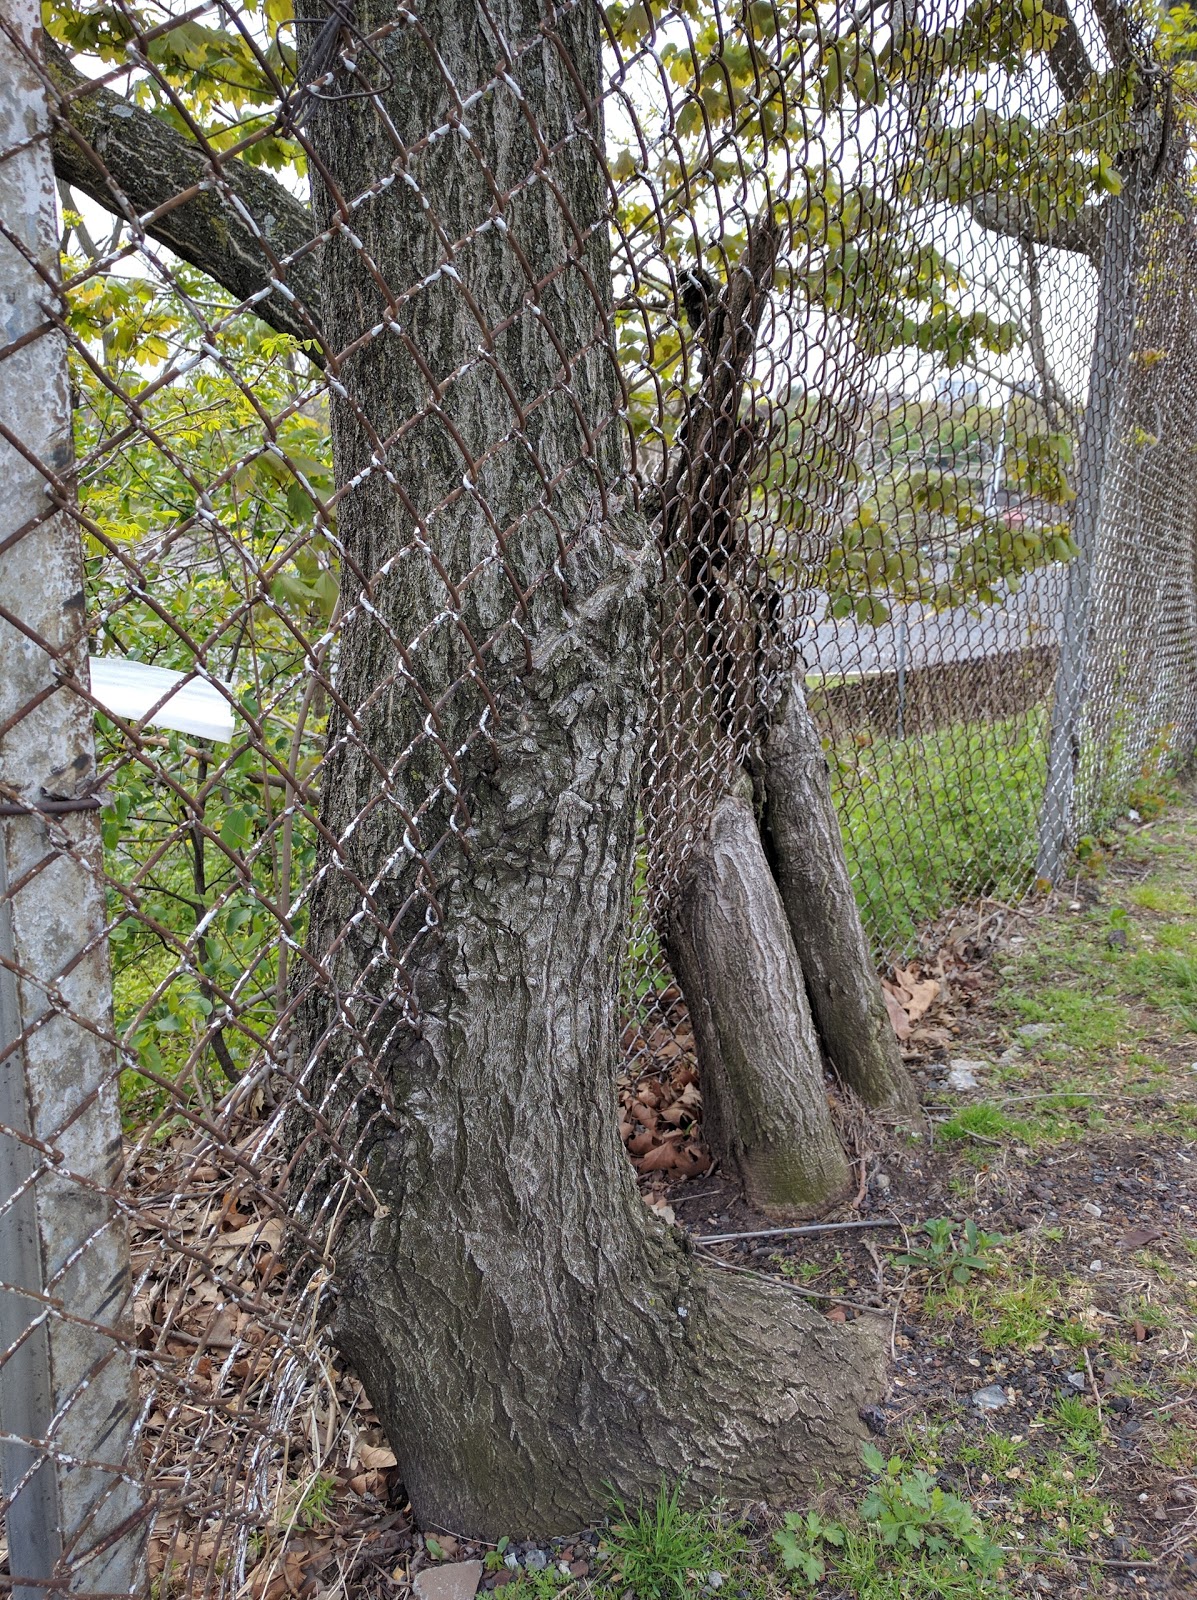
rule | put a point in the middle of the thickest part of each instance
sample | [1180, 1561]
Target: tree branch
[232, 221]
[1015, 219]
[1116, 27]
[1068, 58]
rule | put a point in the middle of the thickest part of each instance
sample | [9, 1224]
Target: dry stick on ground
[784, 1283]
[1092, 1383]
[809, 1227]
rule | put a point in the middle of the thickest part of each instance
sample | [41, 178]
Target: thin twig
[807, 1228]
[893, 1327]
[864, 1178]
[1080, 1557]
[783, 1283]
[1092, 1382]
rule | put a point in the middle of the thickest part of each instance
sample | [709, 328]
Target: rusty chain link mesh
[908, 407]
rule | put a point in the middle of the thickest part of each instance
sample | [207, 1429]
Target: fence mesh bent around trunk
[880, 322]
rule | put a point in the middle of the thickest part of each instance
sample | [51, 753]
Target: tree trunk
[530, 1338]
[803, 837]
[764, 1105]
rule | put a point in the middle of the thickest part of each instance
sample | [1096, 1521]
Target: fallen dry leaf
[899, 1021]
[1136, 1238]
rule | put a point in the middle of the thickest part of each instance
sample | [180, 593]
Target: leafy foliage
[210, 554]
[905, 1514]
[947, 1255]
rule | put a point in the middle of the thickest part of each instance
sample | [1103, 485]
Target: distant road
[933, 638]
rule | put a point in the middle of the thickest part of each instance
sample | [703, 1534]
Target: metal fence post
[72, 1496]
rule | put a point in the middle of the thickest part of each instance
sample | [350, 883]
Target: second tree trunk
[765, 1107]
[803, 834]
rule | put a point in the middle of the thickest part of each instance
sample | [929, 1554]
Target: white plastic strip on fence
[138, 692]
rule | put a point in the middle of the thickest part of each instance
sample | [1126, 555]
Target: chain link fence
[329, 343]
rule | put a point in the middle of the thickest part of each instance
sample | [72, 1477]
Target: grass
[933, 820]
[981, 1121]
[1077, 1419]
[1082, 1019]
[908, 1537]
[1168, 978]
[1169, 902]
[661, 1549]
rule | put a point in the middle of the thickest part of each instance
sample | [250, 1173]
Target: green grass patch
[1170, 902]
[909, 1539]
[1057, 1494]
[1168, 979]
[934, 820]
[662, 1549]
[1017, 1307]
[982, 1121]
[1077, 1420]
[1083, 1020]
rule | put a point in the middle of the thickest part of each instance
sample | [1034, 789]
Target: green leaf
[873, 1459]
[235, 830]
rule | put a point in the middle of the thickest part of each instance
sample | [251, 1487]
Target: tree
[528, 1333]
[458, 1002]
[138, 149]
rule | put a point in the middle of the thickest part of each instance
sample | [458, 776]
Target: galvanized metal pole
[73, 1503]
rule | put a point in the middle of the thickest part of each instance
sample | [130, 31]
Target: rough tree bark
[764, 1105]
[527, 1333]
[803, 836]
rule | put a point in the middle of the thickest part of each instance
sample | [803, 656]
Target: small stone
[991, 1398]
[536, 1561]
[1032, 1032]
[963, 1074]
[456, 1580]
[1075, 1380]
[511, 1560]
[1119, 1402]
[874, 1419]
[714, 1580]
[1090, 1209]
[1095, 1266]
[882, 1182]
[579, 1569]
